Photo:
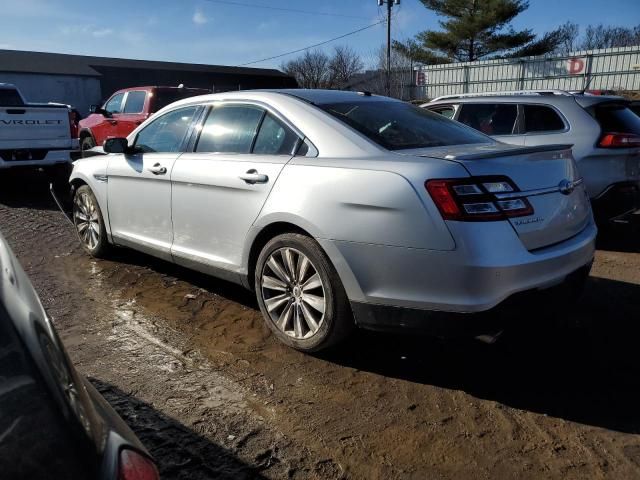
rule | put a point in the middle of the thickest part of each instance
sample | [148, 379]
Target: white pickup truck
[34, 135]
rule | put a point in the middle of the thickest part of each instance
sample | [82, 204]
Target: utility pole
[390, 4]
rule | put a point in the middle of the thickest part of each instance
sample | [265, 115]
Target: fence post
[465, 79]
[522, 71]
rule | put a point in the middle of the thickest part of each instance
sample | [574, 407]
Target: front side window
[230, 129]
[114, 105]
[398, 125]
[490, 118]
[135, 102]
[274, 138]
[539, 118]
[166, 133]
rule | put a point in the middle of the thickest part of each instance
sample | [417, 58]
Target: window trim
[126, 99]
[567, 125]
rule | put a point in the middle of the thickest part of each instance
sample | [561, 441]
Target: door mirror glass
[116, 145]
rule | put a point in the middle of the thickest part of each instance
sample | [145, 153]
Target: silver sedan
[339, 209]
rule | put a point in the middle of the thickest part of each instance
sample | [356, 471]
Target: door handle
[252, 176]
[157, 169]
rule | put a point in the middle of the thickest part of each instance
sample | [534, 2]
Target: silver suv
[604, 132]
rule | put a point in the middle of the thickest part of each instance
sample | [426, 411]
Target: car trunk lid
[546, 177]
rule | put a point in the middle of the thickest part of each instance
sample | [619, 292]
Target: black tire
[86, 143]
[85, 206]
[336, 321]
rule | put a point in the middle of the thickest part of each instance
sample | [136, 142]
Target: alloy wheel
[85, 215]
[293, 293]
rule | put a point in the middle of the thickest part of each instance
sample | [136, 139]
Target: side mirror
[93, 108]
[116, 145]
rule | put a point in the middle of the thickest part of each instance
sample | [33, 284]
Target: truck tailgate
[34, 127]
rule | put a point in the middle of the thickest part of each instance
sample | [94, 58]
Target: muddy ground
[187, 361]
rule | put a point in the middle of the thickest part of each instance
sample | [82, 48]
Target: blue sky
[203, 31]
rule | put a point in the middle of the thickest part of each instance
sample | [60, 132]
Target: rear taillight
[73, 126]
[619, 140]
[134, 466]
[478, 198]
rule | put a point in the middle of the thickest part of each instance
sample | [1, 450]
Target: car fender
[93, 172]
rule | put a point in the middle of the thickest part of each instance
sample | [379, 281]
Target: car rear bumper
[34, 158]
[475, 277]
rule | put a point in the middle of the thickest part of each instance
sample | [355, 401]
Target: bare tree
[311, 70]
[316, 69]
[600, 36]
[569, 38]
[344, 64]
[401, 78]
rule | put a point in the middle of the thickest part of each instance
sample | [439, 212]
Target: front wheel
[300, 294]
[89, 223]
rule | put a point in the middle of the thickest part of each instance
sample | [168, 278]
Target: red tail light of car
[475, 199]
[134, 466]
[619, 140]
[73, 125]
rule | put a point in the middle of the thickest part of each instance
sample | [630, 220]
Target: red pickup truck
[126, 109]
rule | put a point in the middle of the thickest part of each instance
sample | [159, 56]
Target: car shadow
[179, 452]
[27, 188]
[621, 238]
[585, 371]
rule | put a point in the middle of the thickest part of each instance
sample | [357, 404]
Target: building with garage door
[83, 81]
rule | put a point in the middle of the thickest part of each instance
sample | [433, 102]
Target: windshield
[399, 126]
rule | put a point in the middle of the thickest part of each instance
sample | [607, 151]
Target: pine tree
[476, 29]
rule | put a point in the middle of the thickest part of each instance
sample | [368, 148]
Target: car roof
[548, 99]
[320, 96]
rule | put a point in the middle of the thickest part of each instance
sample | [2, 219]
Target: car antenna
[586, 85]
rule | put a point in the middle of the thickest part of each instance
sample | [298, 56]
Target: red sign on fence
[421, 78]
[576, 66]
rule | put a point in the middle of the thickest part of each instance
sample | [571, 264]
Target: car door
[106, 128]
[132, 113]
[498, 120]
[139, 186]
[220, 188]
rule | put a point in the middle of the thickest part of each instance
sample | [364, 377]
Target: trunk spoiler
[509, 152]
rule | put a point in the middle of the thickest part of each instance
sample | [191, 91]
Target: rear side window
[114, 105]
[539, 118]
[617, 118]
[166, 133]
[10, 97]
[135, 102]
[490, 118]
[230, 129]
[274, 138]
[398, 125]
[447, 111]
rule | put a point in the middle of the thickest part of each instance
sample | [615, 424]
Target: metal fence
[605, 69]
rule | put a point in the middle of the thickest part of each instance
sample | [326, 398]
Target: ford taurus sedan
[340, 209]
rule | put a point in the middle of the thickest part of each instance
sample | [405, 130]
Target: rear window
[10, 97]
[617, 118]
[165, 97]
[490, 118]
[538, 118]
[399, 126]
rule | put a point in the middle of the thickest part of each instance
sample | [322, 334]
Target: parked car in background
[126, 109]
[338, 208]
[604, 132]
[53, 423]
[34, 134]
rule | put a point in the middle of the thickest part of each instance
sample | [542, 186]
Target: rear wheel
[89, 223]
[86, 143]
[300, 294]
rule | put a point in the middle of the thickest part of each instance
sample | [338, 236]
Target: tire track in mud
[381, 407]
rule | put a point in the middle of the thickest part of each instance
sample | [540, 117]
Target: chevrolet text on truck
[34, 135]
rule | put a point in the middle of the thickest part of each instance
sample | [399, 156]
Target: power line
[282, 9]
[313, 46]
